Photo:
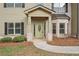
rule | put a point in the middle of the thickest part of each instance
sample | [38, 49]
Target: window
[59, 4]
[14, 28]
[59, 7]
[10, 28]
[19, 5]
[8, 5]
[62, 28]
[12, 5]
[54, 28]
[17, 28]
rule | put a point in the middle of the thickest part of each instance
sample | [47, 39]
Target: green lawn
[27, 51]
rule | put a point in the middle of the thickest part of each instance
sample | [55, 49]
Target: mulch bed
[65, 42]
[2, 44]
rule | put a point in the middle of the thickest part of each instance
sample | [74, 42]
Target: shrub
[6, 39]
[19, 39]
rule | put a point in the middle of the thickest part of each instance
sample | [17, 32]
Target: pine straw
[4, 44]
[65, 42]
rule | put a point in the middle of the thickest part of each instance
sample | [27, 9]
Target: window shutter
[22, 28]
[4, 5]
[5, 28]
[23, 5]
[66, 10]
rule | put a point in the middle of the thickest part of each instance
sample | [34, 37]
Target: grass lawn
[22, 50]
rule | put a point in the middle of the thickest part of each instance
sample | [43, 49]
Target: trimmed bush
[19, 39]
[6, 39]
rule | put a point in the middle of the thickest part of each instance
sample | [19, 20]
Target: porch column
[50, 35]
[46, 29]
[65, 28]
[29, 31]
[57, 29]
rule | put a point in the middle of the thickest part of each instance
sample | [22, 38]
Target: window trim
[9, 28]
[62, 28]
[17, 28]
[20, 6]
[58, 21]
[59, 7]
[14, 6]
[14, 29]
[6, 6]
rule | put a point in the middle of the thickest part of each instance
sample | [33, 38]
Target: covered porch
[39, 23]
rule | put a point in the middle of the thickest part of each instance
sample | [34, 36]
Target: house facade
[35, 20]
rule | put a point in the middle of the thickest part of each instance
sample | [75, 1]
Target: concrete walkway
[41, 44]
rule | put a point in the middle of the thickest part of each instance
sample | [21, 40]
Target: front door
[39, 30]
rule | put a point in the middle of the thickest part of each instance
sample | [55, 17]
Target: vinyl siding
[74, 18]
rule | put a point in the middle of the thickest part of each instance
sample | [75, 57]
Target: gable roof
[39, 7]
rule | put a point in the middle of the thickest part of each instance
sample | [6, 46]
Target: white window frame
[18, 28]
[62, 28]
[59, 7]
[8, 5]
[9, 28]
[18, 6]
[59, 4]
[58, 21]
[13, 28]
[14, 5]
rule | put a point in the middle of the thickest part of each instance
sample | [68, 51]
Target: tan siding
[74, 18]
[18, 11]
